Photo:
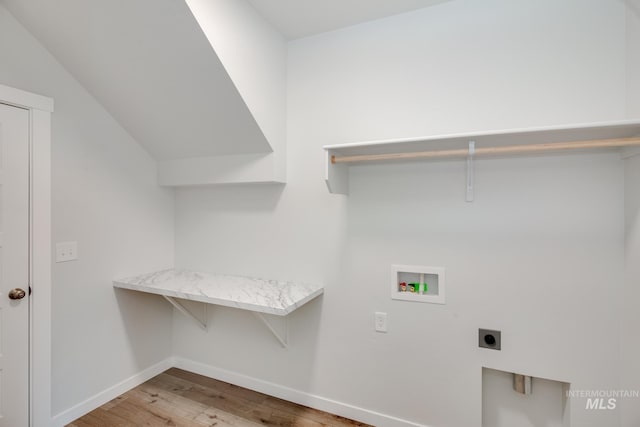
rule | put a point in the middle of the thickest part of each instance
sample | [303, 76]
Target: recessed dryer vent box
[418, 283]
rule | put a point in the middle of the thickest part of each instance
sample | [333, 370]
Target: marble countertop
[260, 295]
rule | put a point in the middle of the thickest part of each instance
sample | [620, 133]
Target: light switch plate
[66, 251]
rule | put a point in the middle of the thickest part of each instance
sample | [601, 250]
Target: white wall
[530, 256]
[630, 344]
[105, 197]
[631, 318]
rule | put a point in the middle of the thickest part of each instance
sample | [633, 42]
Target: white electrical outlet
[66, 251]
[381, 322]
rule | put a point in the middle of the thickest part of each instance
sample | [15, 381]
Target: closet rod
[488, 151]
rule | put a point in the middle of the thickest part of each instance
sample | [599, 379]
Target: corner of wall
[630, 348]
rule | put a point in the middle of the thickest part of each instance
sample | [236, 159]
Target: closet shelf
[260, 296]
[612, 135]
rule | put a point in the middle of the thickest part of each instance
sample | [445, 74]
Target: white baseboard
[272, 389]
[296, 396]
[111, 393]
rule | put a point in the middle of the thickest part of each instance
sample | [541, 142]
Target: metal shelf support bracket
[201, 322]
[282, 337]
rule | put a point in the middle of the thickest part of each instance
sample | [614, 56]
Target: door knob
[17, 293]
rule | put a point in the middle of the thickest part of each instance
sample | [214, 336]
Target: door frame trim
[40, 109]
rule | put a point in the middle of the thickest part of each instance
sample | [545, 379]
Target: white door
[14, 267]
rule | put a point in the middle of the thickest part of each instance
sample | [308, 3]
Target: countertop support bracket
[471, 172]
[282, 337]
[182, 309]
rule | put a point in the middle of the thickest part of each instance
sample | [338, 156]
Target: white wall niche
[414, 278]
[502, 406]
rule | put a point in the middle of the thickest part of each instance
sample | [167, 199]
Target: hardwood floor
[181, 398]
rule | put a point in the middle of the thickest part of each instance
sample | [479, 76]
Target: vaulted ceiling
[150, 65]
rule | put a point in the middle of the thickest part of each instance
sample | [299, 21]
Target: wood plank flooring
[183, 399]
